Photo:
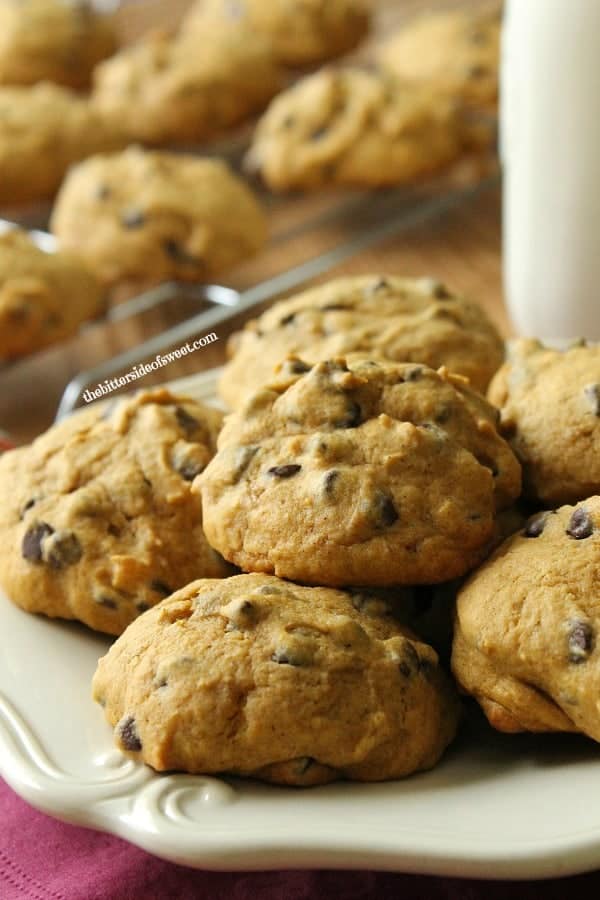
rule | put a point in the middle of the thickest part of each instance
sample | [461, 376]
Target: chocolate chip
[132, 218]
[284, 656]
[61, 549]
[535, 526]
[334, 307]
[592, 395]
[383, 511]
[243, 458]
[161, 588]
[581, 525]
[287, 320]
[30, 503]
[382, 284]
[304, 763]
[188, 470]
[329, 481]
[297, 367]
[410, 664]
[286, 471]
[318, 133]
[108, 602]
[31, 546]
[185, 421]
[113, 529]
[179, 254]
[127, 734]
[580, 640]
[413, 374]
[352, 418]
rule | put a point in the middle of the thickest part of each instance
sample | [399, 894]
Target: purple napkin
[42, 859]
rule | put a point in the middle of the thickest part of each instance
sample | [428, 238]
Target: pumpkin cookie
[359, 473]
[177, 91]
[401, 319]
[550, 411]
[52, 40]
[97, 516]
[356, 128]
[44, 297]
[144, 217]
[300, 33]
[295, 685]
[527, 624]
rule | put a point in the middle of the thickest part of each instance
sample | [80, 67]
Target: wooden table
[461, 247]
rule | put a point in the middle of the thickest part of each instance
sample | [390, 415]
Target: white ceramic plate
[497, 806]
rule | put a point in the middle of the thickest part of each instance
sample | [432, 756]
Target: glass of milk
[550, 145]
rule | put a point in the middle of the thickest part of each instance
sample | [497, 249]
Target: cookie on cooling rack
[44, 297]
[352, 127]
[50, 40]
[183, 91]
[550, 411]
[457, 51]
[144, 217]
[298, 32]
[295, 685]
[402, 319]
[359, 473]
[97, 516]
[43, 130]
[527, 623]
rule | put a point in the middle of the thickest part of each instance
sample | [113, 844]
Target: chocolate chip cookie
[550, 411]
[527, 623]
[44, 297]
[402, 319]
[456, 50]
[352, 127]
[361, 473]
[294, 685]
[182, 91]
[97, 518]
[52, 40]
[300, 33]
[144, 217]
[43, 130]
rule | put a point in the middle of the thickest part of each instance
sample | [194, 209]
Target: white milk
[550, 136]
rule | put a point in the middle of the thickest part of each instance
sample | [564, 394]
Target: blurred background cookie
[44, 297]
[300, 32]
[52, 40]
[353, 127]
[142, 217]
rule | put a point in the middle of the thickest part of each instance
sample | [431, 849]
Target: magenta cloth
[42, 859]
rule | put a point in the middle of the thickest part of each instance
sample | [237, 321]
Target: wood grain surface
[461, 247]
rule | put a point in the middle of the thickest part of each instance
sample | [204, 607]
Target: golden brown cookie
[402, 319]
[457, 51]
[145, 217]
[97, 517]
[353, 127]
[52, 40]
[366, 473]
[44, 297]
[550, 411]
[43, 130]
[176, 91]
[527, 623]
[255, 676]
[301, 32]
